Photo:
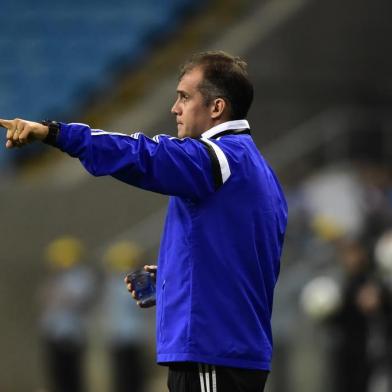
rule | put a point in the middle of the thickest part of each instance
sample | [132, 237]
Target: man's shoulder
[237, 145]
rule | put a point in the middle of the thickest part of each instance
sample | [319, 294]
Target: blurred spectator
[334, 200]
[66, 298]
[359, 315]
[351, 361]
[125, 326]
[377, 184]
[349, 200]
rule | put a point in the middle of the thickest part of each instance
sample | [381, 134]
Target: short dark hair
[224, 76]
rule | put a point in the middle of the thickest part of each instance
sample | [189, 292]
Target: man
[220, 252]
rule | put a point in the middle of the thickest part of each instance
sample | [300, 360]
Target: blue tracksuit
[221, 246]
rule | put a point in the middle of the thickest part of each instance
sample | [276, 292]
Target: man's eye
[184, 97]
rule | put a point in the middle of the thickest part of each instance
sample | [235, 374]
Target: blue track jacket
[222, 241]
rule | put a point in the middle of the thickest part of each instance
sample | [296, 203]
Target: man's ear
[219, 108]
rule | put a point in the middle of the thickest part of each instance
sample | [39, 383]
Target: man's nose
[175, 108]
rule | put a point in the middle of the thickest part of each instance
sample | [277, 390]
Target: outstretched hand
[21, 132]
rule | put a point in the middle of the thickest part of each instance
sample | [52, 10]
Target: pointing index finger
[5, 123]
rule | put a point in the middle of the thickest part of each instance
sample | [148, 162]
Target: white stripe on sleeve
[99, 132]
[223, 162]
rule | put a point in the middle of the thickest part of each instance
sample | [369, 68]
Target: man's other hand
[21, 132]
[152, 269]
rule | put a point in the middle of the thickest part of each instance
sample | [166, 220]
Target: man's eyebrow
[182, 92]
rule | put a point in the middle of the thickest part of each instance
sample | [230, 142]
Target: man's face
[193, 116]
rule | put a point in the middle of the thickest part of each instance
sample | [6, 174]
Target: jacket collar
[225, 128]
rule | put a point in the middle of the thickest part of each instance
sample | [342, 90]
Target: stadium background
[323, 82]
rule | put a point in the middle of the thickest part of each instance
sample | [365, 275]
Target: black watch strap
[54, 129]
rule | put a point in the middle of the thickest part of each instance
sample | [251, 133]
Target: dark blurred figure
[362, 323]
[66, 299]
[125, 327]
[377, 198]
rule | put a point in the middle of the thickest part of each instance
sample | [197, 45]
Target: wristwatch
[54, 129]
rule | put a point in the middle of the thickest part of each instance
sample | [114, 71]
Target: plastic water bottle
[144, 286]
